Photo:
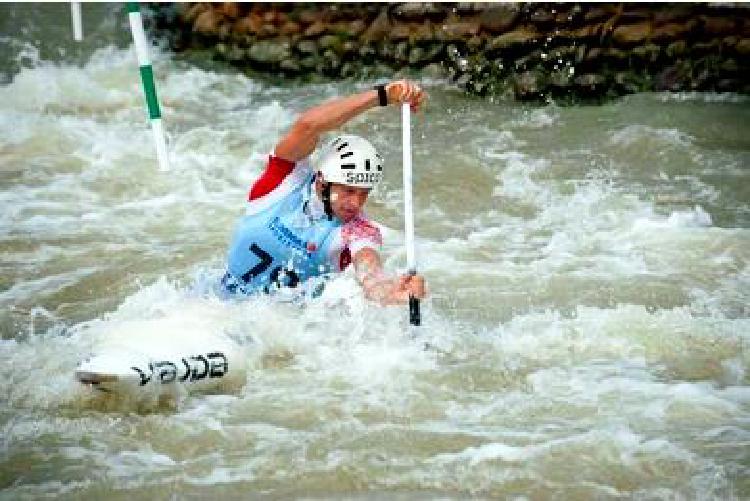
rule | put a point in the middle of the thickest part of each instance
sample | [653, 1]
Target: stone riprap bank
[526, 50]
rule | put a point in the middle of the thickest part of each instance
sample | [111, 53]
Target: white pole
[147, 79]
[411, 258]
[75, 12]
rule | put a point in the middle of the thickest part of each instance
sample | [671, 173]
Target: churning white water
[585, 336]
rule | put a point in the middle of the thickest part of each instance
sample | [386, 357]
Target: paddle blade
[414, 316]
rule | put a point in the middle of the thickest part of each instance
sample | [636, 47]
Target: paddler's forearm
[378, 288]
[336, 112]
[376, 285]
[392, 290]
[304, 134]
[369, 273]
[302, 138]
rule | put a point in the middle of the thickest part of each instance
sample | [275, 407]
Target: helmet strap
[326, 196]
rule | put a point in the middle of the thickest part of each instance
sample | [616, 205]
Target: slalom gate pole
[147, 79]
[75, 14]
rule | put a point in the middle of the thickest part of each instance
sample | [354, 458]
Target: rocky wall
[530, 51]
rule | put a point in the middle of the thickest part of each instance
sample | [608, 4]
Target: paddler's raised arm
[303, 136]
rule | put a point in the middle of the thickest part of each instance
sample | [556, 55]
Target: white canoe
[163, 356]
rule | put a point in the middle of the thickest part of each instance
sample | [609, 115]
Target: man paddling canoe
[305, 220]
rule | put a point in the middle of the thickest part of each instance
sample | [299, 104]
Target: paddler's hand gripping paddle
[411, 261]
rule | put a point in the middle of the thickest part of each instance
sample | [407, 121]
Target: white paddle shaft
[411, 259]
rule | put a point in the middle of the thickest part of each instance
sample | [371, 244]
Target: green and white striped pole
[147, 78]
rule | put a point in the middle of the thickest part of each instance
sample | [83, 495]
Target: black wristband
[382, 95]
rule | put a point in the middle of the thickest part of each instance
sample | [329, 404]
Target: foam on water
[705, 97]
[638, 133]
[537, 119]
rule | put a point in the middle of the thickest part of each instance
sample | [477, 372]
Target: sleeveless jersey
[285, 238]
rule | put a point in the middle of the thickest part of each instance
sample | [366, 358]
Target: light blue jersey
[281, 241]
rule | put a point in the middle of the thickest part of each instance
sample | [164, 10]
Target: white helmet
[351, 160]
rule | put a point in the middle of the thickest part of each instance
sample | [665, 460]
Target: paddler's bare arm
[301, 139]
[382, 288]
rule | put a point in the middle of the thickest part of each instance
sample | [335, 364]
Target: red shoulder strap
[276, 170]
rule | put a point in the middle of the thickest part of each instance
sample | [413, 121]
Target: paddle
[411, 261]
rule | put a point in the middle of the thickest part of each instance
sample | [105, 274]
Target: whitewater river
[587, 326]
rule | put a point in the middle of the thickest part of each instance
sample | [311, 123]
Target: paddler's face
[347, 201]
